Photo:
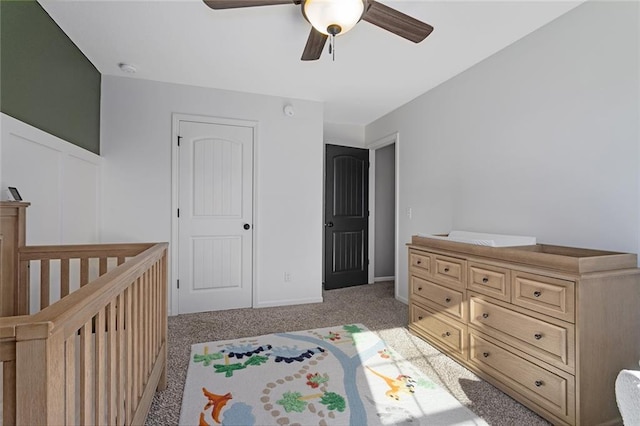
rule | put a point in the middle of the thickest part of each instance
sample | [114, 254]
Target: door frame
[176, 118]
[393, 138]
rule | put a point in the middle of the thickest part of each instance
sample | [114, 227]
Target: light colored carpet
[372, 305]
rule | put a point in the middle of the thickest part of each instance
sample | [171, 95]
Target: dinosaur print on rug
[343, 375]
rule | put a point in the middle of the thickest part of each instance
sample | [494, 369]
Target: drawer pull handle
[485, 280]
[485, 354]
[419, 318]
[447, 334]
[448, 299]
[446, 269]
[539, 383]
[538, 336]
[485, 315]
[418, 262]
[419, 288]
[537, 293]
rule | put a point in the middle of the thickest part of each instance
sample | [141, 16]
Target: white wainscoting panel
[59, 179]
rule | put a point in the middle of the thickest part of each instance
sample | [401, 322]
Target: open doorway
[383, 202]
[385, 213]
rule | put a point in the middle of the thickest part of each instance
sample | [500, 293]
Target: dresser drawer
[450, 271]
[443, 330]
[441, 299]
[490, 280]
[548, 342]
[547, 295]
[419, 263]
[550, 391]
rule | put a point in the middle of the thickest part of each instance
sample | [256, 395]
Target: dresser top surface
[568, 259]
[14, 204]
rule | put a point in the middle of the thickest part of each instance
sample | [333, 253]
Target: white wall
[136, 150]
[344, 134]
[62, 183]
[59, 179]
[540, 139]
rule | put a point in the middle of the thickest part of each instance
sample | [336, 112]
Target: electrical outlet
[409, 212]
[287, 277]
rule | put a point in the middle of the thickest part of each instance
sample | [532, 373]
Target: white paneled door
[215, 224]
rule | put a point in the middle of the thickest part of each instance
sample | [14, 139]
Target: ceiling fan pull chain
[332, 47]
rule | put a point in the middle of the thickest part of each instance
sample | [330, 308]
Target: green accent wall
[45, 80]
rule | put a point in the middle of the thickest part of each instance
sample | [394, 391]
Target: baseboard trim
[287, 302]
[380, 279]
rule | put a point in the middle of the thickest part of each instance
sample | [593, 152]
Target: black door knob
[329, 225]
[246, 226]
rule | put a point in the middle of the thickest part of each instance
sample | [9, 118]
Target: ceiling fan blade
[397, 22]
[232, 4]
[314, 46]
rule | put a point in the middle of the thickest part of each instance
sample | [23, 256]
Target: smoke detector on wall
[288, 110]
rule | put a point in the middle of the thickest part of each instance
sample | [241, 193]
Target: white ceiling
[258, 50]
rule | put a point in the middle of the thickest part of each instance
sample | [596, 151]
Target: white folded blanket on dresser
[628, 396]
[485, 239]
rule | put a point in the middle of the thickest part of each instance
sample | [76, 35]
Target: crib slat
[122, 359]
[84, 271]
[9, 394]
[22, 302]
[70, 380]
[86, 374]
[99, 375]
[134, 340]
[154, 312]
[103, 266]
[143, 341]
[44, 283]
[112, 363]
[147, 323]
[143, 332]
[139, 340]
[64, 277]
[151, 328]
[158, 320]
[129, 374]
[162, 383]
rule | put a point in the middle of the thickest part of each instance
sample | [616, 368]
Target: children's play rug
[342, 375]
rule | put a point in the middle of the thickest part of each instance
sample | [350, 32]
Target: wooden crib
[95, 351]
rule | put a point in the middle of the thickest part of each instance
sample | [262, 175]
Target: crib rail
[56, 271]
[98, 354]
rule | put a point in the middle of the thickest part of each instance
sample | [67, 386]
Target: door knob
[246, 226]
[329, 225]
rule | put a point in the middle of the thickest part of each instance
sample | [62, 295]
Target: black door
[346, 217]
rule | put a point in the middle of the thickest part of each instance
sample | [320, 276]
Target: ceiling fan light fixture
[333, 17]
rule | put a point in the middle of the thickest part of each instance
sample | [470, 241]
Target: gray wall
[45, 79]
[540, 139]
[385, 211]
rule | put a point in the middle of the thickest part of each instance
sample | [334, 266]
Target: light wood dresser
[550, 326]
[12, 236]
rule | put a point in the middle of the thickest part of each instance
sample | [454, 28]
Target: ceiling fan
[332, 17]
